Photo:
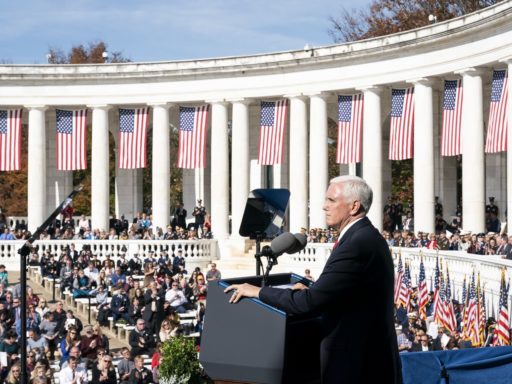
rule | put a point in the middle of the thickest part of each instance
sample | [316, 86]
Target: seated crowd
[147, 292]
[415, 334]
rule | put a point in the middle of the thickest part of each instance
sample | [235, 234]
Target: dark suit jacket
[354, 295]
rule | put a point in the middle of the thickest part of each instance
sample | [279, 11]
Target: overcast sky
[158, 30]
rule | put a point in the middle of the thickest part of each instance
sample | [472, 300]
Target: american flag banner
[192, 137]
[422, 292]
[350, 124]
[498, 114]
[452, 118]
[502, 330]
[272, 132]
[71, 129]
[132, 137]
[10, 140]
[402, 124]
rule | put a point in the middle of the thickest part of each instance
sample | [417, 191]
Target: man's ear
[356, 208]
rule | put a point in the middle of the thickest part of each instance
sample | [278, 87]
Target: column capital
[36, 107]
[299, 96]
[472, 71]
[377, 89]
[105, 107]
[241, 100]
[423, 81]
[321, 94]
[163, 105]
[217, 102]
[506, 60]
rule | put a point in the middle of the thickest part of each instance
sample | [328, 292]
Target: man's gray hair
[355, 188]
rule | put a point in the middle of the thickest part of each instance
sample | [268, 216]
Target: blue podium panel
[252, 342]
[473, 365]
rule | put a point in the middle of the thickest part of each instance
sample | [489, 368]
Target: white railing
[460, 265]
[195, 252]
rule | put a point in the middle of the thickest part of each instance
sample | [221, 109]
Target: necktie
[335, 244]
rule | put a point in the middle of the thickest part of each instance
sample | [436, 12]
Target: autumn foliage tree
[383, 17]
[13, 185]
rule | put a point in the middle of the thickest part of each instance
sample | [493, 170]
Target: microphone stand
[24, 252]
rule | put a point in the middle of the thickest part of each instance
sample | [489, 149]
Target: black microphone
[285, 243]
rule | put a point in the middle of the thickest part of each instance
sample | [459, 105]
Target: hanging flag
[452, 118]
[402, 124]
[350, 124]
[498, 114]
[132, 137]
[10, 140]
[192, 137]
[502, 330]
[272, 132]
[71, 137]
[422, 292]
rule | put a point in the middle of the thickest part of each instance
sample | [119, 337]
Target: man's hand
[242, 290]
[299, 286]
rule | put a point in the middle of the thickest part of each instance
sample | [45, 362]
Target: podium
[252, 342]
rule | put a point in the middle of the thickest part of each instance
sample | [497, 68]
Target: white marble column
[36, 188]
[298, 163]
[424, 218]
[161, 171]
[473, 158]
[318, 160]
[372, 150]
[100, 182]
[240, 169]
[220, 171]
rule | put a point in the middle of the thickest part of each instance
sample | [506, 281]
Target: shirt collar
[347, 228]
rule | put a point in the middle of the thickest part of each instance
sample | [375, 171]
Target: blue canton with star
[64, 121]
[397, 102]
[450, 92]
[187, 116]
[267, 113]
[126, 120]
[3, 122]
[498, 78]
[344, 108]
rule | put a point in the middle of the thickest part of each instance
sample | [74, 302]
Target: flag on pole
[10, 140]
[405, 288]
[350, 124]
[437, 296]
[422, 292]
[498, 114]
[398, 279]
[132, 137]
[502, 330]
[472, 327]
[192, 137]
[71, 138]
[450, 320]
[402, 124]
[452, 118]
[272, 132]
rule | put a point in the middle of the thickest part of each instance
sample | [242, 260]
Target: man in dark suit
[354, 293]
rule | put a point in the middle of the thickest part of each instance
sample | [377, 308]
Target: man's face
[140, 325]
[337, 210]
